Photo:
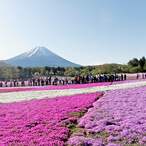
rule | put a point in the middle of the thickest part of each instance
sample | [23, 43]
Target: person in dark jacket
[121, 77]
[125, 76]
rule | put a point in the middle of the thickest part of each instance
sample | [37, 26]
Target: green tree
[1, 73]
[14, 73]
[135, 69]
[124, 68]
[134, 62]
[20, 71]
[54, 70]
[48, 69]
[142, 63]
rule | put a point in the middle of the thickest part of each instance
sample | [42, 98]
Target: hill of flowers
[42, 122]
[118, 118]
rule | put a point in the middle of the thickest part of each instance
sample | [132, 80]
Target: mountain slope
[4, 64]
[39, 56]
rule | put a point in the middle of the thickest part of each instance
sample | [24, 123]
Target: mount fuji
[39, 56]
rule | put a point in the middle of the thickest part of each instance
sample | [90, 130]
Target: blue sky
[87, 32]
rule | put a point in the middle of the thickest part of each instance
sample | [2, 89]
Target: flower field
[39, 94]
[118, 118]
[72, 115]
[42, 122]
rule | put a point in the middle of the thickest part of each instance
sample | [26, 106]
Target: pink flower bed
[59, 87]
[135, 76]
[128, 81]
[42, 122]
[118, 118]
[131, 77]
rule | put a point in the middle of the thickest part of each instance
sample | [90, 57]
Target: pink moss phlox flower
[83, 141]
[41, 122]
[118, 117]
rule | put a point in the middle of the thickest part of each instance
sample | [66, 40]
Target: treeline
[137, 65]
[9, 72]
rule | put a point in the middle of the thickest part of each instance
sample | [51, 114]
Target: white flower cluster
[31, 95]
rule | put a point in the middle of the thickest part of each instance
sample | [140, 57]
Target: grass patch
[77, 114]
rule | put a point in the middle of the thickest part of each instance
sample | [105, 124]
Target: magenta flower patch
[42, 122]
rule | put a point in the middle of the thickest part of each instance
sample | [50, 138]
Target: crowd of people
[41, 81]
[76, 80]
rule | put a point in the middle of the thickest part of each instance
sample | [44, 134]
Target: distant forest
[8, 72]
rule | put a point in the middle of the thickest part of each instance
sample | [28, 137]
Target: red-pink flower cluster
[42, 122]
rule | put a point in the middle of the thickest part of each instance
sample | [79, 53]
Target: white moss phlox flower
[30, 95]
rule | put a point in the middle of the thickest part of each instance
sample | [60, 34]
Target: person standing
[83, 79]
[137, 76]
[78, 80]
[87, 79]
[1, 84]
[14, 83]
[33, 80]
[142, 76]
[56, 81]
[59, 81]
[50, 80]
[121, 77]
[46, 81]
[100, 78]
[6, 84]
[63, 79]
[75, 80]
[42, 82]
[53, 80]
[66, 80]
[10, 83]
[125, 76]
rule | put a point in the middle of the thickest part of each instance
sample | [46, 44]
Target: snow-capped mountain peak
[39, 56]
[38, 51]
